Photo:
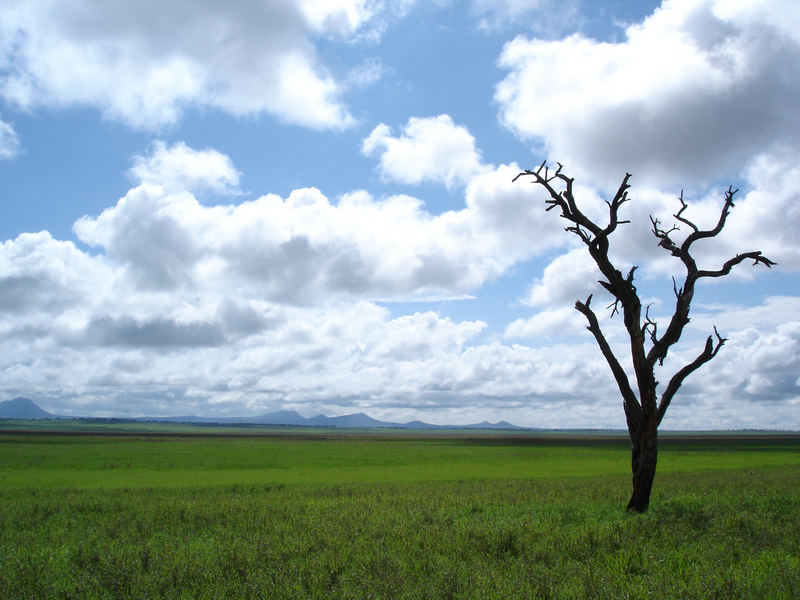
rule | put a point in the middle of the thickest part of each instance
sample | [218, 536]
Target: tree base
[644, 457]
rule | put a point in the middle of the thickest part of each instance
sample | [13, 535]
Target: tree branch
[684, 295]
[564, 199]
[679, 217]
[650, 327]
[620, 198]
[698, 234]
[590, 233]
[756, 257]
[630, 404]
[709, 352]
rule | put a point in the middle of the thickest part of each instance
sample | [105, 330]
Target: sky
[227, 209]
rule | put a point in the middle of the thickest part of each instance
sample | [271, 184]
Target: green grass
[89, 462]
[370, 517]
[92, 461]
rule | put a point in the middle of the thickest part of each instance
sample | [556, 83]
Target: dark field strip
[13, 427]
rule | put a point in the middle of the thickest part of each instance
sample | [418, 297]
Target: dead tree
[644, 410]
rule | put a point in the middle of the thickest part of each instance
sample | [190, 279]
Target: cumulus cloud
[566, 278]
[39, 275]
[149, 233]
[427, 149]
[690, 94]
[299, 250]
[556, 322]
[306, 248]
[756, 370]
[513, 209]
[145, 63]
[179, 167]
[767, 213]
[337, 17]
[237, 306]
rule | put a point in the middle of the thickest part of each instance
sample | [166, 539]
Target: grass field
[309, 514]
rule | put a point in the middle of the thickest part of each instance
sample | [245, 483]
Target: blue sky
[308, 205]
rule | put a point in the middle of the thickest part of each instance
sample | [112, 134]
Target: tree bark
[644, 455]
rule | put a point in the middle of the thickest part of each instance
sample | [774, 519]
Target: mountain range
[23, 408]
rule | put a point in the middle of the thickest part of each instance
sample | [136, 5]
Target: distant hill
[352, 421]
[22, 408]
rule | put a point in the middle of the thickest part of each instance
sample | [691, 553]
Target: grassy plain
[313, 514]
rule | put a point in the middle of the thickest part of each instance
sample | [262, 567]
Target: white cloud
[513, 213]
[557, 322]
[182, 168]
[40, 276]
[144, 63]
[421, 336]
[569, 277]
[755, 372]
[766, 216]
[300, 250]
[185, 307]
[337, 17]
[9, 141]
[691, 94]
[428, 149]
[306, 248]
[354, 19]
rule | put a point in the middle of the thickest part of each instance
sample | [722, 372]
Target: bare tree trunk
[644, 455]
